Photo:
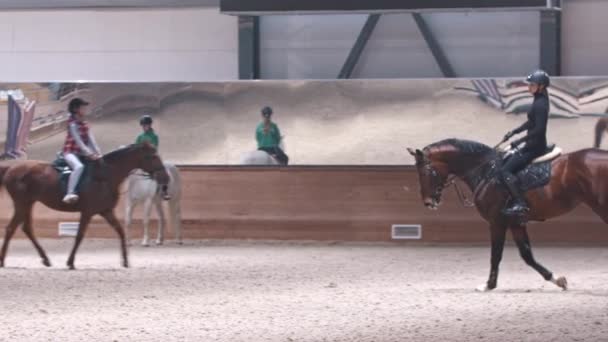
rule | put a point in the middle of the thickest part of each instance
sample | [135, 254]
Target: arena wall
[344, 203]
[351, 122]
[346, 140]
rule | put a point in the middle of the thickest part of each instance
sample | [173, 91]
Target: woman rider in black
[535, 141]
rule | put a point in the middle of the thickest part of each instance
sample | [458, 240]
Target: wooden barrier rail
[349, 203]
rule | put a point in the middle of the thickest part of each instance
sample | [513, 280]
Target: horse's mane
[465, 146]
[119, 152]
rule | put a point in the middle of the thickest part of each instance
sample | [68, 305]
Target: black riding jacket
[536, 137]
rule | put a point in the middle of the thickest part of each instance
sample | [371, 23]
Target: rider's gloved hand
[514, 145]
[508, 136]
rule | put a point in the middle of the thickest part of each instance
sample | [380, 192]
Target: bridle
[451, 180]
[145, 175]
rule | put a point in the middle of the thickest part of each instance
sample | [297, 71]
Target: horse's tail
[600, 128]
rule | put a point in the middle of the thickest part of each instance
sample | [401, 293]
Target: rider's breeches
[77, 169]
[518, 161]
[515, 163]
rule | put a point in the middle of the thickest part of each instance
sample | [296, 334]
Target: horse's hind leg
[176, 218]
[27, 229]
[10, 230]
[520, 235]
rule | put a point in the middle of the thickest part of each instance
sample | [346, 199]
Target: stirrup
[70, 198]
[516, 209]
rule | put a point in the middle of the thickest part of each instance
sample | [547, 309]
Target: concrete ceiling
[51, 4]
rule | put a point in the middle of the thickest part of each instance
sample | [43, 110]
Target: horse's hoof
[71, 267]
[46, 262]
[180, 242]
[483, 288]
[145, 244]
[158, 242]
[562, 282]
[125, 264]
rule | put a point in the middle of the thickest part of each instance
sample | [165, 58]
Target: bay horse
[600, 128]
[28, 182]
[576, 178]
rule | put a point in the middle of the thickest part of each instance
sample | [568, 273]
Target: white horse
[258, 157]
[143, 189]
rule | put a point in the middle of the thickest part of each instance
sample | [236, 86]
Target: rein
[144, 175]
[461, 196]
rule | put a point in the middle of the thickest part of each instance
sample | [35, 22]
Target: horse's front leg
[82, 228]
[147, 209]
[498, 233]
[160, 235]
[130, 206]
[520, 235]
[113, 221]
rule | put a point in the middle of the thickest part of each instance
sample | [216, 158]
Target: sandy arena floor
[242, 291]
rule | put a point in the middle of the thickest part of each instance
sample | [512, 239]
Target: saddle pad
[534, 176]
[62, 167]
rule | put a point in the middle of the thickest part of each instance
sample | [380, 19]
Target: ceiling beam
[261, 7]
[83, 4]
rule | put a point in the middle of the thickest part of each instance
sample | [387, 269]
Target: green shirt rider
[148, 135]
[148, 132]
[268, 137]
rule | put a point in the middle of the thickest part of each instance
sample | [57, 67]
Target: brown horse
[600, 128]
[29, 182]
[576, 178]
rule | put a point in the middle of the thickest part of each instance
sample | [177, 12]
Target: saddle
[538, 173]
[63, 168]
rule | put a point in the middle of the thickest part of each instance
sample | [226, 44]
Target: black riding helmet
[539, 77]
[145, 120]
[75, 104]
[267, 111]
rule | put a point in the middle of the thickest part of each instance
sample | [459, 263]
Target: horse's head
[149, 161]
[140, 156]
[432, 174]
[436, 162]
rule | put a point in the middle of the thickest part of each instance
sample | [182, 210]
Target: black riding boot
[518, 204]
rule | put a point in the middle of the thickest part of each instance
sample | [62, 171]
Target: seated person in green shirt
[268, 137]
[150, 136]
